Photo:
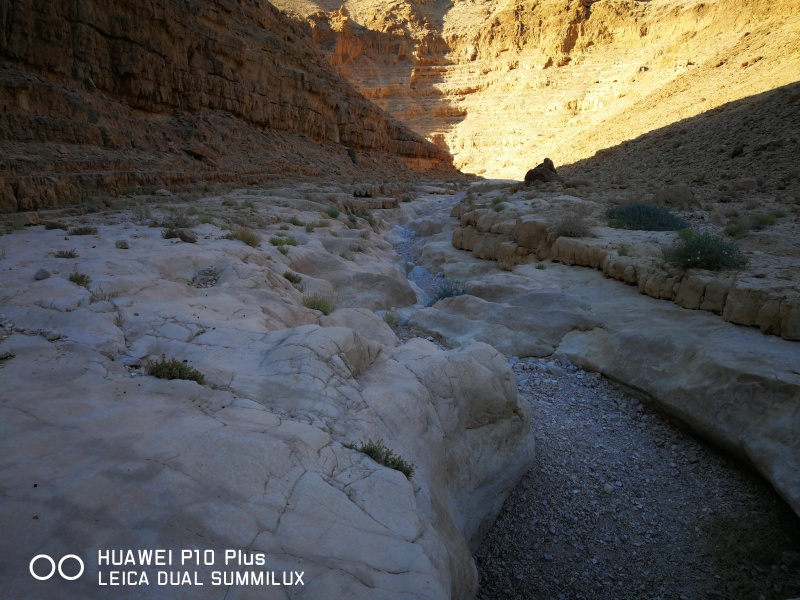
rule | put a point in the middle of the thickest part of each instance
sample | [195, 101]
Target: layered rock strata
[503, 84]
[523, 231]
[175, 92]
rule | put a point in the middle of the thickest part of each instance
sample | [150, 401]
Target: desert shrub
[66, 254]
[293, 277]
[79, 278]
[15, 223]
[178, 220]
[541, 266]
[323, 223]
[760, 222]
[320, 302]
[368, 218]
[295, 221]
[246, 235]
[378, 452]
[332, 212]
[55, 225]
[624, 250]
[284, 227]
[391, 318]
[705, 251]
[310, 228]
[99, 295]
[283, 250]
[83, 230]
[573, 222]
[184, 235]
[205, 219]
[347, 255]
[499, 207]
[283, 241]
[172, 368]
[450, 289]
[737, 228]
[645, 217]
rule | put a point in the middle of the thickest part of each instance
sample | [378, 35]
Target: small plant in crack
[172, 368]
[380, 453]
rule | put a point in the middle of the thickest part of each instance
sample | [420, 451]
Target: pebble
[41, 274]
[617, 479]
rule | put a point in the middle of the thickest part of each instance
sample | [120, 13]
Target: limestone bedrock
[730, 384]
[96, 454]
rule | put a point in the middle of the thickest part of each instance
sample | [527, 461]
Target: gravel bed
[621, 504]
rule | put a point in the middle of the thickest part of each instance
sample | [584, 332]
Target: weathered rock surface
[169, 93]
[730, 384]
[765, 295]
[98, 455]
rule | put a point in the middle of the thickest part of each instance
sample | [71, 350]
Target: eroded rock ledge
[523, 232]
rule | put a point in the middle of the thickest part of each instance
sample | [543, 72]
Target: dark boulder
[545, 172]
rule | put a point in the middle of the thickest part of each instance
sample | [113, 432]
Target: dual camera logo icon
[53, 567]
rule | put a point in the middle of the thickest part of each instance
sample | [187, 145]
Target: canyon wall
[172, 92]
[504, 83]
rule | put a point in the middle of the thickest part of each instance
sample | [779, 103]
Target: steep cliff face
[170, 91]
[504, 83]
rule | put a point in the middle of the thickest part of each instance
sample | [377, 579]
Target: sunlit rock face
[503, 84]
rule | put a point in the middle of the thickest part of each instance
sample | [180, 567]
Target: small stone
[163, 193]
[41, 274]
[51, 335]
[122, 244]
[607, 488]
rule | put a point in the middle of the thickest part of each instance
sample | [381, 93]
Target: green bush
[450, 289]
[378, 452]
[573, 222]
[319, 302]
[332, 212]
[293, 277]
[243, 234]
[55, 225]
[760, 222]
[83, 230]
[172, 368]
[185, 235]
[644, 217]
[101, 296]
[391, 318]
[295, 221]
[66, 254]
[737, 228]
[283, 241]
[80, 279]
[704, 251]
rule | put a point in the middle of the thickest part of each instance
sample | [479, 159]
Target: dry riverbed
[621, 503]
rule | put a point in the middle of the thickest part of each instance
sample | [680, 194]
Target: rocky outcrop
[259, 459]
[524, 232]
[173, 92]
[545, 172]
[731, 385]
